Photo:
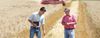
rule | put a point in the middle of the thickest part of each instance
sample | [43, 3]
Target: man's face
[67, 12]
[42, 12]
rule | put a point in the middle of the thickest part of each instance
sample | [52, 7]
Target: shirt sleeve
[74, 19]
[43, 20]
[31, 17]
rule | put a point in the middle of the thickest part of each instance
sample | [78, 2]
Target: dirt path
[81, 26]
[56, 32]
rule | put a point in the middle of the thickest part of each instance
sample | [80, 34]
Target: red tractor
[53, 2]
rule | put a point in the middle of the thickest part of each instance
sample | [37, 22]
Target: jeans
[69, 33]
[34, 30]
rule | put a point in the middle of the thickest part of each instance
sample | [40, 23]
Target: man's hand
[44, 33]
[34, 25]
[71, 23]
[43, 29]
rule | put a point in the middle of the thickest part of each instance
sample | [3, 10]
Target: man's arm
[73, 22]
[43, 29]
[63, 21]
[43, 23]
[30, 20]
[34, 25]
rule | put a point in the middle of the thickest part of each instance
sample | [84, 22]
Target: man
[69, 24]
[36, 20]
